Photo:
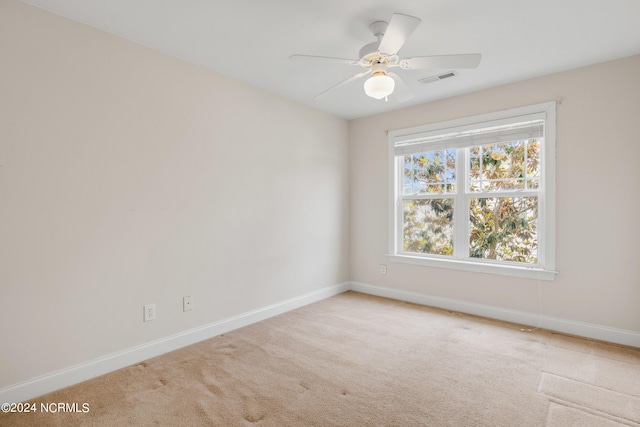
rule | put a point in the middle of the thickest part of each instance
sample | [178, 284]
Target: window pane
[533, 163]
[428, 226]
[504, 229]
[429, 172]
[505, 166]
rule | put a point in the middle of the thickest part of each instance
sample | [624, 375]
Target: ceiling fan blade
[470, 60]
[399, 29]
[401, 91]
[344, 82]
[325, 59]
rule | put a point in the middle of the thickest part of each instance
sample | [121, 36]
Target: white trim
[109, 363]
[464, 137]
[572, 327]
[478, 267]
[545, 269]
[393, 225]
[75, 374]
[529, 111]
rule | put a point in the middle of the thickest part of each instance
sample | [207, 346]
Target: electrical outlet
[149, 312]
[187, 303]
[383, 269]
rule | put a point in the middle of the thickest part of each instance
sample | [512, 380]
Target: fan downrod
[369, 54]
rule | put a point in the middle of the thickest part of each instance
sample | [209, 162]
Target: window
[476, 193]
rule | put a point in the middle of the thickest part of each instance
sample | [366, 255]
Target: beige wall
[129, 177]
[598, 204]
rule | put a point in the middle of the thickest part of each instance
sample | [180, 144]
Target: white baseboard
[73, 375]
[109, 363]
[587, 330]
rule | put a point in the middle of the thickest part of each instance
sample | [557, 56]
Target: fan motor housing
[369, 52]
[369, 55]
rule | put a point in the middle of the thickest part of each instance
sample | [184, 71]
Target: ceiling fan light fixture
[376, 57]
[379, 86]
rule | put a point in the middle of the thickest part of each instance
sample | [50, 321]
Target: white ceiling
[251, 40]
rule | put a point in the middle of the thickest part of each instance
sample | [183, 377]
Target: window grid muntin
[523, 181]
[462, 222]
[447, 178]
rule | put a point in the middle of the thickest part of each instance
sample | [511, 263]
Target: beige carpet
[357, 360]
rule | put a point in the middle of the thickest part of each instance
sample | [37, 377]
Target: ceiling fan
[379, 56]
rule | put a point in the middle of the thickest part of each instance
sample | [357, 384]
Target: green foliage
[432, 172]
[428, 226]
[500, 228]
[504, 229]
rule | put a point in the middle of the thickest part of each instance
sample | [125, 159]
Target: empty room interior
[212, 213]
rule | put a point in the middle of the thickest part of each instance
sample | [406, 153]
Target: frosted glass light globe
[379, 86]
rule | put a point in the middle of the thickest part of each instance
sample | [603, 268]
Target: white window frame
[546, 227]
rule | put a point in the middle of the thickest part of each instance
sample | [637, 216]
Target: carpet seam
[582, 382]
[573, 405]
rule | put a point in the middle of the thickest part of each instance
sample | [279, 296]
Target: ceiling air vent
[438, 77]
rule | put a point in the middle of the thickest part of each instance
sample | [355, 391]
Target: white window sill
[479, 267]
